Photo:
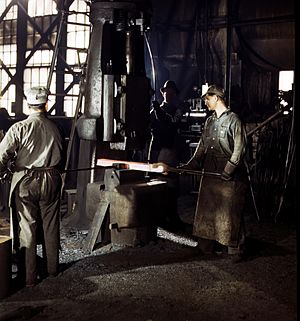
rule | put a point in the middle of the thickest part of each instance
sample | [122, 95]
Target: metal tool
[153, 168]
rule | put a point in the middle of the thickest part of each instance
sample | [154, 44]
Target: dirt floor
[166, 280]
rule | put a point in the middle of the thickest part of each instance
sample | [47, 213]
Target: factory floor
[166, 280]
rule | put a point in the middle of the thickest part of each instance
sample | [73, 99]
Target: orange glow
[145, 167]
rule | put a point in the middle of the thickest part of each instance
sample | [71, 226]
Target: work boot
[205, 246]
[237, 254]
[219, 248]
[30, 283]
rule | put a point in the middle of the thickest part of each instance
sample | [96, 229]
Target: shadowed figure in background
[164, 145]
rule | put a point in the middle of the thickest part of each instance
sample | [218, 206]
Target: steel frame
[22, 61]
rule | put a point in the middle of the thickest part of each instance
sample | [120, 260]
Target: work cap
[37, 95]
[214, 90]
[169, 84]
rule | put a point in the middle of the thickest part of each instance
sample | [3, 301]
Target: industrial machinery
[115, 120]
[117, 92]
[195, 117]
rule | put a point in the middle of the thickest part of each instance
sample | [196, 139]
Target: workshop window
[39, 54]
[12, 12]
[8, 50]
[35, 76]
[286, 80]
[286, 87]
[8, 58]
[78, 34]
[40, 58]
[41, 8]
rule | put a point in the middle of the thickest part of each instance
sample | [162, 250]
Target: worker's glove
[164, 168]
[228, 171]
[225, 176]
[180, 169]
[155, 105]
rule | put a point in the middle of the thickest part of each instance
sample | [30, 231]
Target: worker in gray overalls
[36, 147]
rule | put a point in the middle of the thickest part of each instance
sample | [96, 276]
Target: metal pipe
[153, 74]
[228, 53]
[129, 55]
[108, 107]
[264, 123]
[55, 53]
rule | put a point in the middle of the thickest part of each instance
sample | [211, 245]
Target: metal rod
[268, 120]
[251, 190]
[228, 53]
[146, 167]
[153, 73]
[264, 122]
[193, 172]
[86, 169]
[285, 185]
[55, 49]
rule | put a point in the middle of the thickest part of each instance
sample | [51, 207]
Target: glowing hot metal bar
[104, 162]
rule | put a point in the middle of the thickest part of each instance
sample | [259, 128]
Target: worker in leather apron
[218, 220]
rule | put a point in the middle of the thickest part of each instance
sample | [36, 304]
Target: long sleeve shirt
[165, 121]
[36, 140]
[224, 135]
[31, 143]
